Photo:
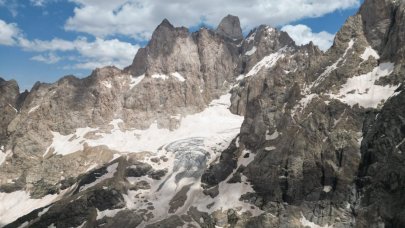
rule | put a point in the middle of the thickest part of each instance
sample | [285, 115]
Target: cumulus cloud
[49, 58]
[303, 34]
[8, 33]
[55, 44]
[106, 52]
[92, 54]
[137, 18]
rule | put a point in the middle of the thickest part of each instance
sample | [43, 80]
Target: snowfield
[19, 203]
[215, 124]
[197, 142]
[363, 90]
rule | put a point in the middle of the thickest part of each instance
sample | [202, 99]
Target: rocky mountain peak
[263, 41]
[7, 87]
[384, 26]
[166, 23]
[162, 44]
[9, 102]
[153, 145]
[230, 27]
[377, 17]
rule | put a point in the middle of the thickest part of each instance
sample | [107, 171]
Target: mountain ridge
[210, 129]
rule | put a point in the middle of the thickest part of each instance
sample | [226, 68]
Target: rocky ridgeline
[321, 143]
[175, 74]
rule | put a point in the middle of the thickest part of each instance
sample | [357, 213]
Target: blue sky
[43, 40]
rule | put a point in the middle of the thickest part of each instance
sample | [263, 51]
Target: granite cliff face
[213, 129]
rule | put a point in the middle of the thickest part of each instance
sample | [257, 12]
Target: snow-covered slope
[303, 138]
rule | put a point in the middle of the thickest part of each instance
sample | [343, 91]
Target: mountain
[211, 129]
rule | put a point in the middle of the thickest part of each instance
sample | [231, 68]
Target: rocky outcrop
[176, 74]
[230, 27]
[10, 102]
[207, 65]
[307, 139]
[381, 173]
[320, 144]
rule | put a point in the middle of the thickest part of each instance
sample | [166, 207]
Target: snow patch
[108, 213]
[327, 188]
[115, 123]
[237, 142]
[3, 155]
[368, 52]
[16, 204]
[160, 76]
[240, 77]
[267, 62]
[43, 211]
[304, 102]
[67, 144]
[251, 37]
[306, 223]
[251, 51]
[272, 136]
[270, 148]
[178, 76]
[107, 84]
[362, 89]
[397, 146]
[115, 156]
[176, 117]
[33, 109]
[136, 80]
[13, 108]
[91, 167]
[269, 29]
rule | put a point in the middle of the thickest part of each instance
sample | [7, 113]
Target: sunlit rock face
[213, 129]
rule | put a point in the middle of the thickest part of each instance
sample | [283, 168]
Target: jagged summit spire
[166, 23]
[230, 27]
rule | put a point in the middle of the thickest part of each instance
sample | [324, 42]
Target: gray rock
[381, 172]
[307, 151]
[230, 27]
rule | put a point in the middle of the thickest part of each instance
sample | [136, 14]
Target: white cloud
[303, 34]
[92, 54]
[38, 2]
[49, 58]
[8, 33]
[55, 44]
[138, 18]
[106, 52]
